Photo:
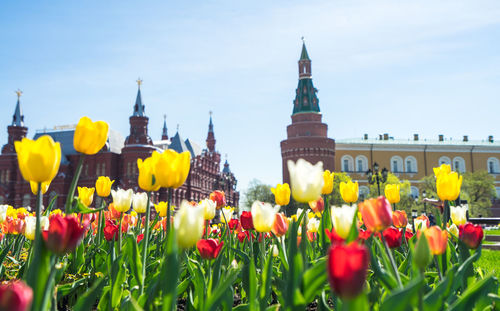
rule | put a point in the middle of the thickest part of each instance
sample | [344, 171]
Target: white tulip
[342, 218]
[188, 222]
[306, 180]
[140, 202]
[263, 215]
[3, 212]
[209, 208]
[458, 214]
[313, 225]
[122, 199]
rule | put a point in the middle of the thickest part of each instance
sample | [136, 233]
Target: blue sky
[398, 67]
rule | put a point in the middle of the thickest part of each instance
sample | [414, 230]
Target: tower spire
[306, 99]
[18, 118]
[164, 134]
[139, 107]
[211, 136]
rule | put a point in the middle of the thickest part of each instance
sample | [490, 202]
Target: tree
[478, 189]
[335, 198]
[257, 191]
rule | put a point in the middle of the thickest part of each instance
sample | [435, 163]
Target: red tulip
[399, 219]
[377, 213]
[364, 235]
[471, 235]
[15, 296]
[140, 237]
[246, 220]
[233, 223]
[334, 237]
[64, 234]
[209, 248]
[244, 235]
[317, 206]
[408, 234]
[347, 266]
[219, 198]
[393, 237]
[111, 230]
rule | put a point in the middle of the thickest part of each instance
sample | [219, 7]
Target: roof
[18, 118]
[139, 107]
[177, 144]
[114, 143]
[193, 147]
[399, 141]
[303, 54]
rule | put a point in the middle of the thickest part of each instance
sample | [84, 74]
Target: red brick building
[307, 136]
[118, 160]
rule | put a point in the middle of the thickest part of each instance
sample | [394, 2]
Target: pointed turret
[226, 169]
[164, 133]
[306, 99]
[139, 107]
[16, 130]
[211, 136]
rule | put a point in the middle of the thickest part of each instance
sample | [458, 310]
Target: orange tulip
[399, 219]
[377, 214]
[438, 239]
[317, 206]
[280, 225]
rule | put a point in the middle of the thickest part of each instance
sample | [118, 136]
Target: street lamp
[379, 177]
[424, 195]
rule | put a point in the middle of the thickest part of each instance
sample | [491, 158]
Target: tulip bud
[188, 222]
[349, 191]
[210, 248]
[39, 159]
[317, 206]
[399, 219]
[280, 225]
[226, 214]
[471, 235]
[171, 168]
[209, 208]
[246, 220]
[306, 180]
[86, 195]
[422, 257]
[3, 212]
[140, 202]
[393, 237]
[421, 222]
[146, 179]
[327, 182]
[263, 215]
[161, 208]
[377, 213]
[90, 136]
[219, 198]
[347, 267]
[281, 194]
[15, 296]
[64, 234]
[392, 193]
[111, 230]
[453, 230]
[276, 251]
[103, 186]
[122, 199]
[313, 225]
[458, 214]
[448, 186]
[437, 238]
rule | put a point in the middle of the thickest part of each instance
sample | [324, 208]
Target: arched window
[26, 200]
[396, 164]
[364, 192]
[411, 164]
[347, 163]
[459, 164]
[361, 164]
[444, 160]
[98, 169]
[103, 169]
[493, 166]
[414, 192]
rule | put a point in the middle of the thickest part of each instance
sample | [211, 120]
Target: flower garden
[130, 254]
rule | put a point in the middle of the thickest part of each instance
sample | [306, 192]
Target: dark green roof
[304, 55]
[306, 99]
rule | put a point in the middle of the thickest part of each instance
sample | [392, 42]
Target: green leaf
[82, 209]
[474, 293]
[87, 301]
[402, 299]
[118, 282]
[134, 258]
[360, 303]
[314, 279]
[353, 233]
[169, 272]
[267, 275]
[434, 300]
[214, 299]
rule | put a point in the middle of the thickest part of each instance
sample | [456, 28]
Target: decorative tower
[17, 130]
[138, 123]
[307, 135]
[164, 133]
[210, 136]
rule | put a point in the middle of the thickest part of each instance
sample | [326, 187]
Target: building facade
[118, 160]
[307, 135]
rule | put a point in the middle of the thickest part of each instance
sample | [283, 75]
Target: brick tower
[307, 135]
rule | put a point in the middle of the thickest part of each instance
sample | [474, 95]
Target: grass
[489, 262]
[492, 232]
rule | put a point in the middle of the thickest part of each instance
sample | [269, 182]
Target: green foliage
[257, 191]
[478, 189]
[335, 198]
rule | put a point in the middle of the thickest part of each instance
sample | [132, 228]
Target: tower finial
[164, 117]
[177, 127]
[139, 82]
[19, 93]
[302, 38]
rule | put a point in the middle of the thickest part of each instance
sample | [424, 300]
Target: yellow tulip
[90, 136]
[171, 168]
[392, 193]
[443, 169]
[281, 194]
[188, 223]
[86, 195]
[349, 191]
[103, 186]
[226, 213]
[161, 208]
[39, 159]
[448, 186]
[147, 179]
[328, 182]
[34, 187]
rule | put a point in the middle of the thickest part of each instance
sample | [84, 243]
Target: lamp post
[379, 176]
[424, 195]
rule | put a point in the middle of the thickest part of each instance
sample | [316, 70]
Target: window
[411, 164]
[364, 192]
[361, 164]
[98, 169]
[414, 192]
[396, 164]
[26, 200]
[444, 160]
[459, 164]
[347, 163]
[103, 169]
[493, 165]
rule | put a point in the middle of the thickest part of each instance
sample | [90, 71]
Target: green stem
[72, 187]
[120, 233]
[169, 202]
[391, 258]
[446, 214]
[145, 241]
[50, 283]
[437, 267]
[34, 264]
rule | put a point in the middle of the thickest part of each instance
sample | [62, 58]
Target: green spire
[304, 55]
